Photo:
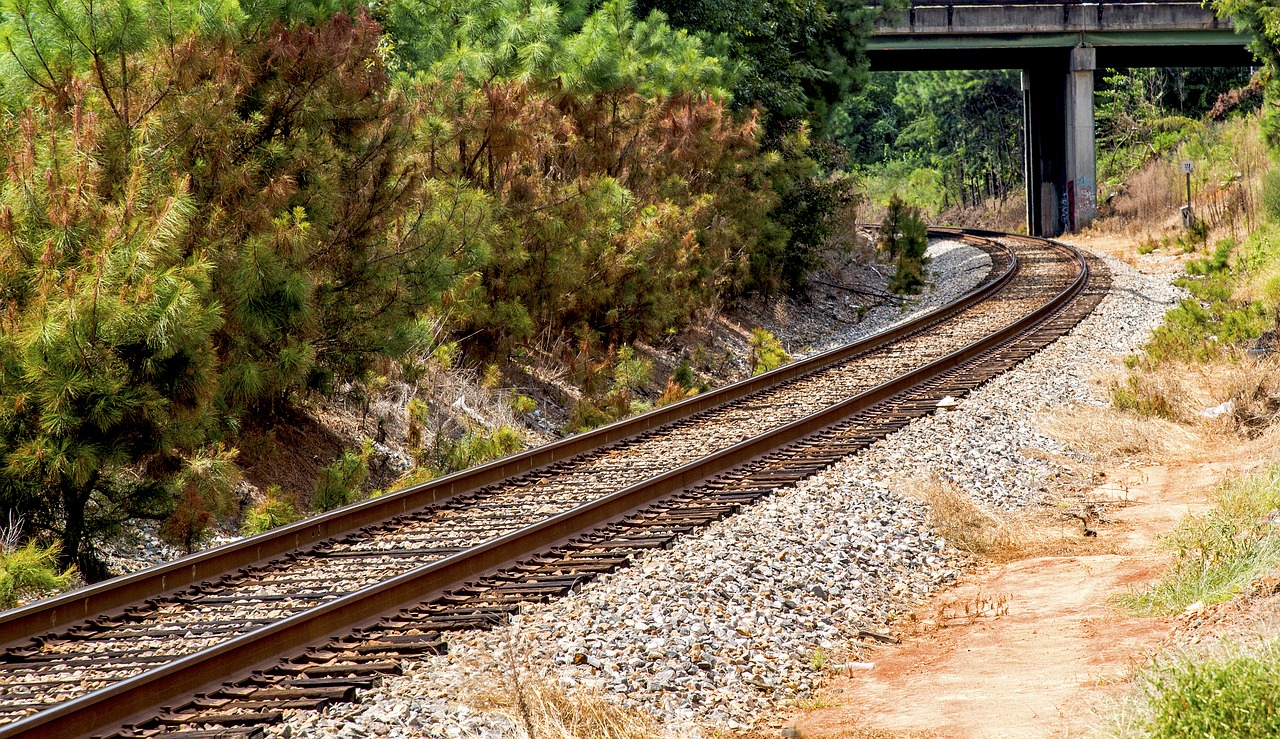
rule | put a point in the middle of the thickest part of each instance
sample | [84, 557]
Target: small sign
[1187, 167]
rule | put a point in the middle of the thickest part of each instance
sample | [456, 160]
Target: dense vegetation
[210, 210]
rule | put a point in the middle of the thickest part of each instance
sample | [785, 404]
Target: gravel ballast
[736, 619]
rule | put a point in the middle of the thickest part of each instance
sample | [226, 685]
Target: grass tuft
[1234, 693]
[1217, 554]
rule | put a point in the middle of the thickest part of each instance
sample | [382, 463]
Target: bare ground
[1041, 648]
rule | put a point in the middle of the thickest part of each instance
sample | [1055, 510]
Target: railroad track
[220, 643]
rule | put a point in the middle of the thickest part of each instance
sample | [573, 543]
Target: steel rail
[111, 597]
[138, 696]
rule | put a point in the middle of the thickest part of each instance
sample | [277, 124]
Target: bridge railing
[932, 17]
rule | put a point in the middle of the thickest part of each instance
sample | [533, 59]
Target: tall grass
[1235, 693]
[1219, 553]
[1227, 182]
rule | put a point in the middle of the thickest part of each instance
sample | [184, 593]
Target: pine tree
[905, 237]
[107, 360]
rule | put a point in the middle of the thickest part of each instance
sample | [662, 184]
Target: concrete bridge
[1057, 44]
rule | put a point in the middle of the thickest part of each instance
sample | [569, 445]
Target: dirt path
[1039, 669]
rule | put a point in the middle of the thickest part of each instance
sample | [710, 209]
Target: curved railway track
[219, 643]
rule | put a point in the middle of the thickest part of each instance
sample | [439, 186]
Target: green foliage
[30, 570]
[799, 60]
[1271, 194]
[1137, 394]
[475, 446]
[970, 125]
[609, 386]
[688, 378]
[277, 508]
[1231, 689]
[106, 347]
[904, 237]
[205, 494]
[1217, 317]
[632, 372]
[810, 208]
[339, 483]
[485, 41]
[766, 352]
[1194, 332]
[1236, 696]
[1261, 18]
[522, 404]
[1215, 264]
[1218, 553]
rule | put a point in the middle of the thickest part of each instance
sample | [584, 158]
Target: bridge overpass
[1058, 45]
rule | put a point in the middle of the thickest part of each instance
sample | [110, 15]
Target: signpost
[1188, 219]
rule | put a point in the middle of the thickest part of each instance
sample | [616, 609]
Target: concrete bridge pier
[1060, 157]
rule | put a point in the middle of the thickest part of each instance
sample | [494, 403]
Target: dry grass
[542, 708]
[1167, 426]
[1109, 433]
[1231, 159]
[842, 732]
[1006, 536]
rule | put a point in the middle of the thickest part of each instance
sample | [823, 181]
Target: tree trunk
[75, 535]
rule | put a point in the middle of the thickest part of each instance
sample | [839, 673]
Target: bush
[30, 570]
[339, 483]
[766, 352]
[277, 508]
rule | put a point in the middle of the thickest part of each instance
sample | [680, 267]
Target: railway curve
[309, 614]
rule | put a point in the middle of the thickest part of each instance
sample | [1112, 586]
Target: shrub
[766, 352]
[276, 509]
[339, 483]
[30, 570]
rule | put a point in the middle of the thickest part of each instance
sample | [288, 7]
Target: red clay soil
[1044, 667]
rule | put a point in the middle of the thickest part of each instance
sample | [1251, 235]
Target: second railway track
[312, 613]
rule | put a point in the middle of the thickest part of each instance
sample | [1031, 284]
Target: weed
[276, 509]
[1143, 394]
[818, 660]
[970, 610]
[766, 352]
[1231, 693]
[1218, 553]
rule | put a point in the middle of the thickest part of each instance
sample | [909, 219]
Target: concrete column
[1081, 160]
[1044, 95]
